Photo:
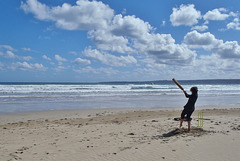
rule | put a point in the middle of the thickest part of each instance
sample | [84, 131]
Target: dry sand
[119, 134]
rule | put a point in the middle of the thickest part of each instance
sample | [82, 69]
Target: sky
[118, 40]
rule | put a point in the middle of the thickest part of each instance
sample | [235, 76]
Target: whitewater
[22, 97]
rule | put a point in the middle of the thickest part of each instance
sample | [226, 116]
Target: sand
[119, 134]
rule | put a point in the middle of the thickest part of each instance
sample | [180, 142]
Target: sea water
[22, 97]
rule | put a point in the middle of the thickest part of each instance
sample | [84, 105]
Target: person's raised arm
[186, 95]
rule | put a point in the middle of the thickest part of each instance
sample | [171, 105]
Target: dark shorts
[188, 113]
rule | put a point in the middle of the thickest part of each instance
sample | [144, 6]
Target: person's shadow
[169, 134]
[195, 131]
[172, 133]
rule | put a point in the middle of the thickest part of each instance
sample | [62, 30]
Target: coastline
[23, 97]
[119, 134]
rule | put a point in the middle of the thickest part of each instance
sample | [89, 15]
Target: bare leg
[181, 121]
[189, 125]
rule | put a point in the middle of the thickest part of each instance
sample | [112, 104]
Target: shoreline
[119, 134]
[83, 113]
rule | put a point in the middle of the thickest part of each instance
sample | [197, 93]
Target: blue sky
[118, 40]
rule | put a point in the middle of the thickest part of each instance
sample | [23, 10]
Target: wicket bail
[200, 119]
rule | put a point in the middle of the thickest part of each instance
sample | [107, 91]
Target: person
[190, 106]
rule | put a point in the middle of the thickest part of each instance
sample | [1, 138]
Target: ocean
[24, 97]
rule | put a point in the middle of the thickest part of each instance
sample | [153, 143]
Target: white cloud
[59, 58]
[26, 49]
[85, 15]
[80, 61]
[128, 34]
[10, 54]
[109, 59]
[163, 23]
[198, 40]
[121, 33]
[105, 40]
[46, 57]
[26, 58]
[216, 14]
[185, 15]
[124, 34]
[227, 50]
[200, 28]
[213, 66]
[41, 11]
[130, 26]
[28, 67]
[234, 25]
[163, 49]
[7, 47]
[7, 51]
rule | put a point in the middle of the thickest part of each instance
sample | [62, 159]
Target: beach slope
[119, 134]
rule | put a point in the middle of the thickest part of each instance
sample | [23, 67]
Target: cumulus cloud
[215, 66]
[46, 57]
[105, 40]
[173, 55]
[129, 34]
[125, 34]
[28, 66]
[109, 59]
[228, 49]
[26, 58]
[41, 11]
[217, 14]
[26, 49]
[163, 23]
[7, 47]
[196, 39]
[163, 49]
[80, 61]
[59, 58]
[130, 26]
[200, 28]
[10, 54]
[235, 24]
[7, 51]
[85, 15]
[118, 34]
[185, 15]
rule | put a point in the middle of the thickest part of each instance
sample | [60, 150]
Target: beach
[120, 134]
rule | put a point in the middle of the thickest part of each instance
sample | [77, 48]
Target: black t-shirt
[191, 101]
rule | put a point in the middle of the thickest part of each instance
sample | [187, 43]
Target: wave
[126, 89]
[143, 87]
